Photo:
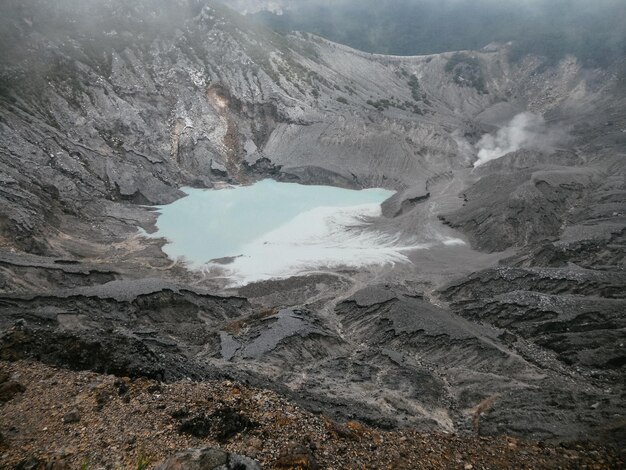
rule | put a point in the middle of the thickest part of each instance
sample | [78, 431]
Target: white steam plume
[524, 131]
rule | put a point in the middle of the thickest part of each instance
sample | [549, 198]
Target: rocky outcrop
[520, 206]
[208, 459]
[146, 328]
[9, 389]
[405, 200]
[563, 296]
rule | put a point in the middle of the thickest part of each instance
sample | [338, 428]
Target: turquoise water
[212, 224]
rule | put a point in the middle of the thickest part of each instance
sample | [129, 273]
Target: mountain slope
[108, 106]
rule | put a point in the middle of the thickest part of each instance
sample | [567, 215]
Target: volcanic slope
[107, 107]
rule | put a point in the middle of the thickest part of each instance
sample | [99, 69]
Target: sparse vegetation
[384, 104]
[416, 91]
[467, 71]
[235, 327]
[380, 105]
[482, 408]
[143, 462]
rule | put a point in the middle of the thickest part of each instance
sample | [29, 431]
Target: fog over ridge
[593, 32]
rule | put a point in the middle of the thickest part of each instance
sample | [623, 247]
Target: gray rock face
[509, 206]
[99, 118]
[403, 201]
[208, 459]
[102, 119]
[131, 329]
[71, 417]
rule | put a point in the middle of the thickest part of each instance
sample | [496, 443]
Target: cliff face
[108, 106]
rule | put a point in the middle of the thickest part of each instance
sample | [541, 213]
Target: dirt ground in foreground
[88, 420]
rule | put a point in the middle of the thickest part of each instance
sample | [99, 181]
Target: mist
[593, 32]
[524, 131]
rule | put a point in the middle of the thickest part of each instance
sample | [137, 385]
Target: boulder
[208, 459]
[9, 389]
